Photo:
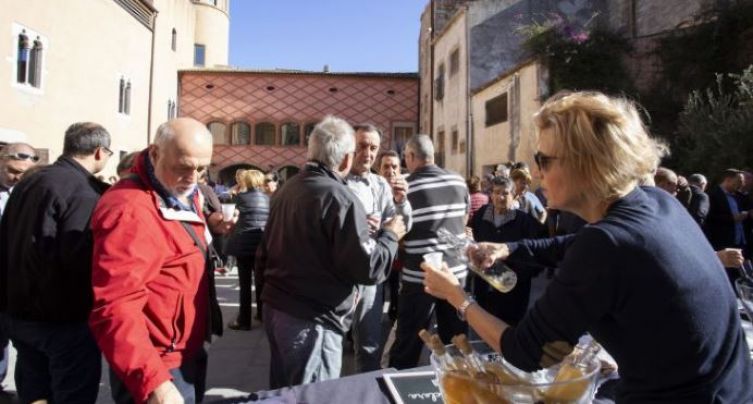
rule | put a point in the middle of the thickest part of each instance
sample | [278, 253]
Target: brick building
[261, 119]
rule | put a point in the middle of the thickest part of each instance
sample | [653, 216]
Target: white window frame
[16, 30]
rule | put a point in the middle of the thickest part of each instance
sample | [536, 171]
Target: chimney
[326, 69]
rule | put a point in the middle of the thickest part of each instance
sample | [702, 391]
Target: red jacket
[150, 287]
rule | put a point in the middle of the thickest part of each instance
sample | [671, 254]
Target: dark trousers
[414, 313]
[60, 363]
[190, 380]
[245, 275]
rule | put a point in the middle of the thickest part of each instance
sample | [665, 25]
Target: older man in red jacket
[154, 302]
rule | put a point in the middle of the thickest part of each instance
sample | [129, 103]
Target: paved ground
[239, 361]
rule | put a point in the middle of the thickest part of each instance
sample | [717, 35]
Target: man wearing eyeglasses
[45, 270]
[15, 159]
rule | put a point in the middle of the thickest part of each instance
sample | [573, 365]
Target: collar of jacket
[315, 167]
[168, 212]
[507, 217]
[98, 185]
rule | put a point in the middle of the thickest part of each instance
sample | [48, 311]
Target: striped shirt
[439, 199]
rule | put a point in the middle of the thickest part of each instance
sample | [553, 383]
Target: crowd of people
[126, 270]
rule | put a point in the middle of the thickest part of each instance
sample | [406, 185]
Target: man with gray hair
[699, 201]
[154, 299]
[316, 250]
[45, 271]
[439, 199]
[382, 201]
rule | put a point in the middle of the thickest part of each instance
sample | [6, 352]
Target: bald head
[181, 152]
[15, 160]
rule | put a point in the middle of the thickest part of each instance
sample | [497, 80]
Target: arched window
[265, 134]
[291, 134]
[127, 99]
[174, 40]
[22, 58]
[121, 95]
[307, 132]
[241, 133]
[218, 132]
[35, 64]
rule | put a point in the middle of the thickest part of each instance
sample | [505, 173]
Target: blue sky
[348, 35]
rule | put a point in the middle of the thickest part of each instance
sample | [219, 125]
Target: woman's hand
[442, 284]
[483, 255]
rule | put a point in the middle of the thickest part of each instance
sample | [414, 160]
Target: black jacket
[699, 205]
[317, 248]
[46, 244]
[253, 206]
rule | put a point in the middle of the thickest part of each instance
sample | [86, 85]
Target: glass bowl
[503, 383]
[745, 293]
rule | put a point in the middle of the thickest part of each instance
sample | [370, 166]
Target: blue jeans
[367, 328]
[302, 351]
[59, 363]
[189, 379]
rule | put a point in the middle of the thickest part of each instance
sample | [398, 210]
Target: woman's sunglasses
[543, 161]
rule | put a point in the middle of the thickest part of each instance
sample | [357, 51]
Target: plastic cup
[228, 211]
[434, 259]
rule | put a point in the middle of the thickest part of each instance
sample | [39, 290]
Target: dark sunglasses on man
[22, 156]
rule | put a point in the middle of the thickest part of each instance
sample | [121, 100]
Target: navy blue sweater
[647, 285]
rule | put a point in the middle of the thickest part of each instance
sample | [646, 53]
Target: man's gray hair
[697, 179]
[83, 139]
[330, 141]
[422, 147]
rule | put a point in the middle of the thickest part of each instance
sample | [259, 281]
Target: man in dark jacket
[699, 201]
[317, 248]
[45, 271]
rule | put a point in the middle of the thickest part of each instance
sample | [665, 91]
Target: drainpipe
[151, 81]
[469, 151]
[431, 70]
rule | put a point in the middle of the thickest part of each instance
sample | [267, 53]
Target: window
[124, 96]
[439, 148]
[307, 131]
[400, 135]
[241, 133]
[29, 59]
[454, 62]
[454, 140]
[174, 40]
[439, 84]
[265, 134]
[218, 132]
[199, 54]
[172, 110]
[496, 110]
[291, 134]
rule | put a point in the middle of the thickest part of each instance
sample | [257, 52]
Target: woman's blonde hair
[252, 179]
[600, 141]
[521, 174]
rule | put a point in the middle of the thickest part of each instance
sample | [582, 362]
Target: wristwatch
[469, 300]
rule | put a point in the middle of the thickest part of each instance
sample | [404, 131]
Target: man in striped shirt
[439, 199]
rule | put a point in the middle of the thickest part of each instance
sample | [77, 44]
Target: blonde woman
[253, 205]
[641, 277]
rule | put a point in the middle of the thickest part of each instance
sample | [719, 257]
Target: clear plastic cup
[228, 211]
[434, 259]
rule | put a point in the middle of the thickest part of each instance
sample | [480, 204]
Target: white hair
[165, 133]
[331, 140]
[422, 147]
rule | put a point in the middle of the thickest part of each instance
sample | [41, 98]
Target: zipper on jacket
[174, 339]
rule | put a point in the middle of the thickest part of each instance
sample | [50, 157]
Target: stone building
[114, 62]
[261, 119]
[499, 87]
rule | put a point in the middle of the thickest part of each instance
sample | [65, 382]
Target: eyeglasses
[22, 156]
[543, 161]
[109, 152]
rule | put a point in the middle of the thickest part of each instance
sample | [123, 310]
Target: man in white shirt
[381, 201]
